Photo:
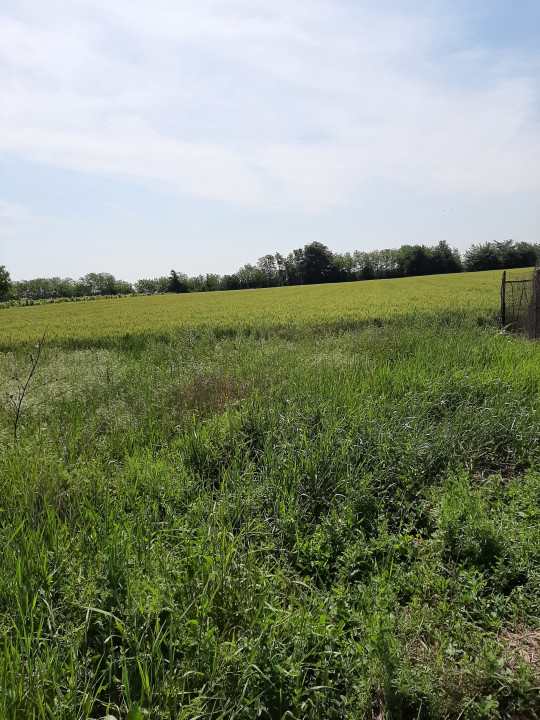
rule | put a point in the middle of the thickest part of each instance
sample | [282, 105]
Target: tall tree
[178, 282]
[318, 264]
[151, 286]
[483, 257]
[444, 259]
[268, 267]
[281, 269]
[5, 282]
[345, 266]
[414, 260]
[250, 276]
[98, 284]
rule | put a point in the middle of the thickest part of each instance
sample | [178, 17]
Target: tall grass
[313, 524]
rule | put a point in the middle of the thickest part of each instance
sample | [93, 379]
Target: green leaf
[134, 713]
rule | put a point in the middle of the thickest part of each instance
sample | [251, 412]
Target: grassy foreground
[310, 524]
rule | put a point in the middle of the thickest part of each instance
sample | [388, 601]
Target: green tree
[151, 286]
[178, 282]
[5, 283]
[483, 257]
[123, 287]
[414, 260]
[318, 265]
[268, 268]
[345, 266]
[444, 259]
[250, 276]
[231, 282]
[98, 284]
[212, 282]
[526, 254]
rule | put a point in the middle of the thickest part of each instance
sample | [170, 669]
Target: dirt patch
[208, 394]
[523, 646]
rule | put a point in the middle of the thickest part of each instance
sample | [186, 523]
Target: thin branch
[24, 389]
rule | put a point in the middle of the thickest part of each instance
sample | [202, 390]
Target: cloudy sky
[139, 136]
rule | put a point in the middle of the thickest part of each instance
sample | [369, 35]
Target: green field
[341, 305]
[312, 502]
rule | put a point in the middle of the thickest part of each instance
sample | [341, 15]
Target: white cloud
[278, 105]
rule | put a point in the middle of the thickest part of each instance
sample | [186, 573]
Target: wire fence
[520, 303]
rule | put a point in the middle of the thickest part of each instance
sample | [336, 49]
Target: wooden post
[503, 299]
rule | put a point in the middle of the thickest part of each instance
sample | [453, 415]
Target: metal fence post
[536, 304]
[503, 300]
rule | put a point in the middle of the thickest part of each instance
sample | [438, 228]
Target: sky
[137, 136]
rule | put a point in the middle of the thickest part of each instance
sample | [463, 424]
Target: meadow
[313, 502]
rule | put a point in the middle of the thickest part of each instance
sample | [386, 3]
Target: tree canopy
[313, 263]
[5, 282]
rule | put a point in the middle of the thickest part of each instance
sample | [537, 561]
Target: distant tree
[281, 269]
[483, 257]
[497, 255]
[178, 282]
[292, 266]
[122, 287]
[197, 284]
[204, 283]
[97, 284]
[359, 260]
[269, 270]
[345, 266]
[414, 260]
[212, 282]
[56, 287]
[250, 276]
[362, 267]
[526, 255]
[385, 263]
[231, 282]
[517, 255]
[62, 287]
[318, 265]
[35, 289]
[444, 259]
[42, 288]
[5, 283]
[152, 286]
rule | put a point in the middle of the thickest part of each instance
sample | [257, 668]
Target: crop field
[313, 502]
[340, 305]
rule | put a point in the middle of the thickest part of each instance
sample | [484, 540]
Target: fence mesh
[520, 298]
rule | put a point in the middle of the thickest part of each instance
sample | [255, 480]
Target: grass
[338, 306]
[299, 524]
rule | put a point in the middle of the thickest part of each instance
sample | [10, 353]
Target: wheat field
[340, 305]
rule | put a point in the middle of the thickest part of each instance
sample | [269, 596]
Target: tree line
[314, 263]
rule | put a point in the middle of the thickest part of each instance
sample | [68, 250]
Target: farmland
[305, 502]
[256, 311]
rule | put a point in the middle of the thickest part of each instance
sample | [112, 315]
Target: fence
[520, 304]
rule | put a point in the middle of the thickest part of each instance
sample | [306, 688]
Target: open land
[308, 502]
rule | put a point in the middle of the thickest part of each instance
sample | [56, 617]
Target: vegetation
[91, 285]
[5, 282]
[127, 321]
[497, 256]
[316, 502]
[309, 265]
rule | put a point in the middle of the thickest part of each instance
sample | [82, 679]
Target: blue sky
[139, 136]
